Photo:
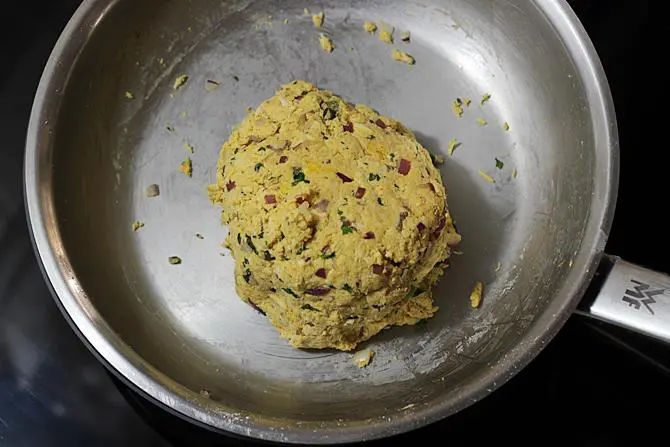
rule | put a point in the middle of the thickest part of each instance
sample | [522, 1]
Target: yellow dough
[338, 220]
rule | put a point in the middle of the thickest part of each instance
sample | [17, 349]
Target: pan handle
[629, 296]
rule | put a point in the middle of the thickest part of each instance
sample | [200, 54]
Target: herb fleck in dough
[343, 230]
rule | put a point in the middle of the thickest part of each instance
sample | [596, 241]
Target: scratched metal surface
[175, 331]
[53, 392]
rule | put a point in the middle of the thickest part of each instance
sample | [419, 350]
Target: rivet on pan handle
[630, 296]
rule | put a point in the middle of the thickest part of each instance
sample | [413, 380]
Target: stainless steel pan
[181, 336]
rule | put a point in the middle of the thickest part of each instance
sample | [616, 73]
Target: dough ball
[337, 218]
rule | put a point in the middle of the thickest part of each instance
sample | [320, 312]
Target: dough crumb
[364, 357]
[137, 225]
[317, 19]
[369, 27]
[199, 236]
[334, 246]
[499, 163]
[486, 177]
[187, 167]
[481, 121]
[386, 35]
[326, 43]
[514, 173]
[306, 11]
[190, 149]
[476, 295]
[451, 147]
[505, 126]
[457, 107]
[174, 260]
[180, 82]
[485, 98]
[467, 102]
[129, 95]
[153, 190]
[401, 56]
[437, 159]
[404, 36]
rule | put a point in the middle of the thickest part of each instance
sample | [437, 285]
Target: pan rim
[133, 370]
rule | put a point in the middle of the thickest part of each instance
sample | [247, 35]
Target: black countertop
[593, 385]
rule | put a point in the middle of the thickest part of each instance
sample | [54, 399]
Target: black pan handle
[629, 296]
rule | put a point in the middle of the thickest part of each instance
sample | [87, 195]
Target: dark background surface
[592, 385]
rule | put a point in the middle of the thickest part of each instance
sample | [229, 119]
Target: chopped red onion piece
[369, 235]
[348, 128]
[404, 166]
[420, 226]
[322, 205]
[440, 226]
[230, 185]
[380, 123]
[344, 178]
[283, 159]
[321, 273]
[360, 192]
[319, 291]
[377, 269]
[270, 199]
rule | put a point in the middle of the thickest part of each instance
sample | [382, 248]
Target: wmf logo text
[642, 294]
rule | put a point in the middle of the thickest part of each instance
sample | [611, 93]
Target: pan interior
[519, 233]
